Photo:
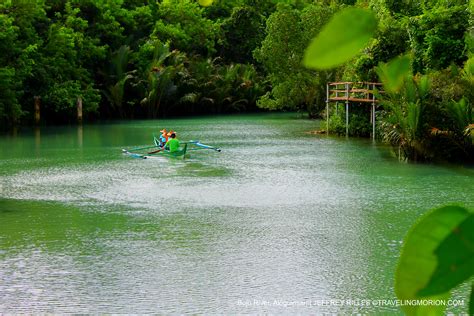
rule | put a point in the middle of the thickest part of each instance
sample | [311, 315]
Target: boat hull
[157, 153]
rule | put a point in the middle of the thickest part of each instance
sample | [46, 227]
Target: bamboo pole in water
[79, 110]
[373, 111]
[37, 109]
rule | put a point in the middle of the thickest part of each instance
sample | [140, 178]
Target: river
[280, 221]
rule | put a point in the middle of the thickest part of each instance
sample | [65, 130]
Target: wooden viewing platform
[353, 92]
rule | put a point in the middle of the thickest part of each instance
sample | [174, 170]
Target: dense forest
[149, 58]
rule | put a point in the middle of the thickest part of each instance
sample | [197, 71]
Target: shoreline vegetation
[69, 61]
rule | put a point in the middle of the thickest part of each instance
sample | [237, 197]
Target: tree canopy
[144, 58]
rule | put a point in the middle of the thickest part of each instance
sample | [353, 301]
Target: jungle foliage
[423, 55]
[147, 58]
[128, 58]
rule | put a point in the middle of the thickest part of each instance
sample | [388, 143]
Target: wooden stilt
[327, 109]
[347, 109]
[373, 111]
[347, 118]
[373, 121]
[327, 117]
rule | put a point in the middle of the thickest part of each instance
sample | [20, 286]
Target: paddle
[155, 151]
[140, 148]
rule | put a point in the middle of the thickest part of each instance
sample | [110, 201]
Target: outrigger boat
[157, 150]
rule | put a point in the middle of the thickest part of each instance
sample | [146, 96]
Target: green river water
[279, 222]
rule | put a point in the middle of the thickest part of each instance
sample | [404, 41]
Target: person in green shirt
[172, 144]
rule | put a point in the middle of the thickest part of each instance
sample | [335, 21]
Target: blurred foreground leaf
[205, 3]
[455, 256]
[438, 240]
[346, 34]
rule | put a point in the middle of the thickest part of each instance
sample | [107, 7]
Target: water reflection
[74, 256]
[37, 133]
[53, 227]
[80, 136]
[193, 168]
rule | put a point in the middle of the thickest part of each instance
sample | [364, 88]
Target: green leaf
[205, 3]
[455, 256]
[419, 260]
[394, 73]
[424, 86]
[346, 34]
